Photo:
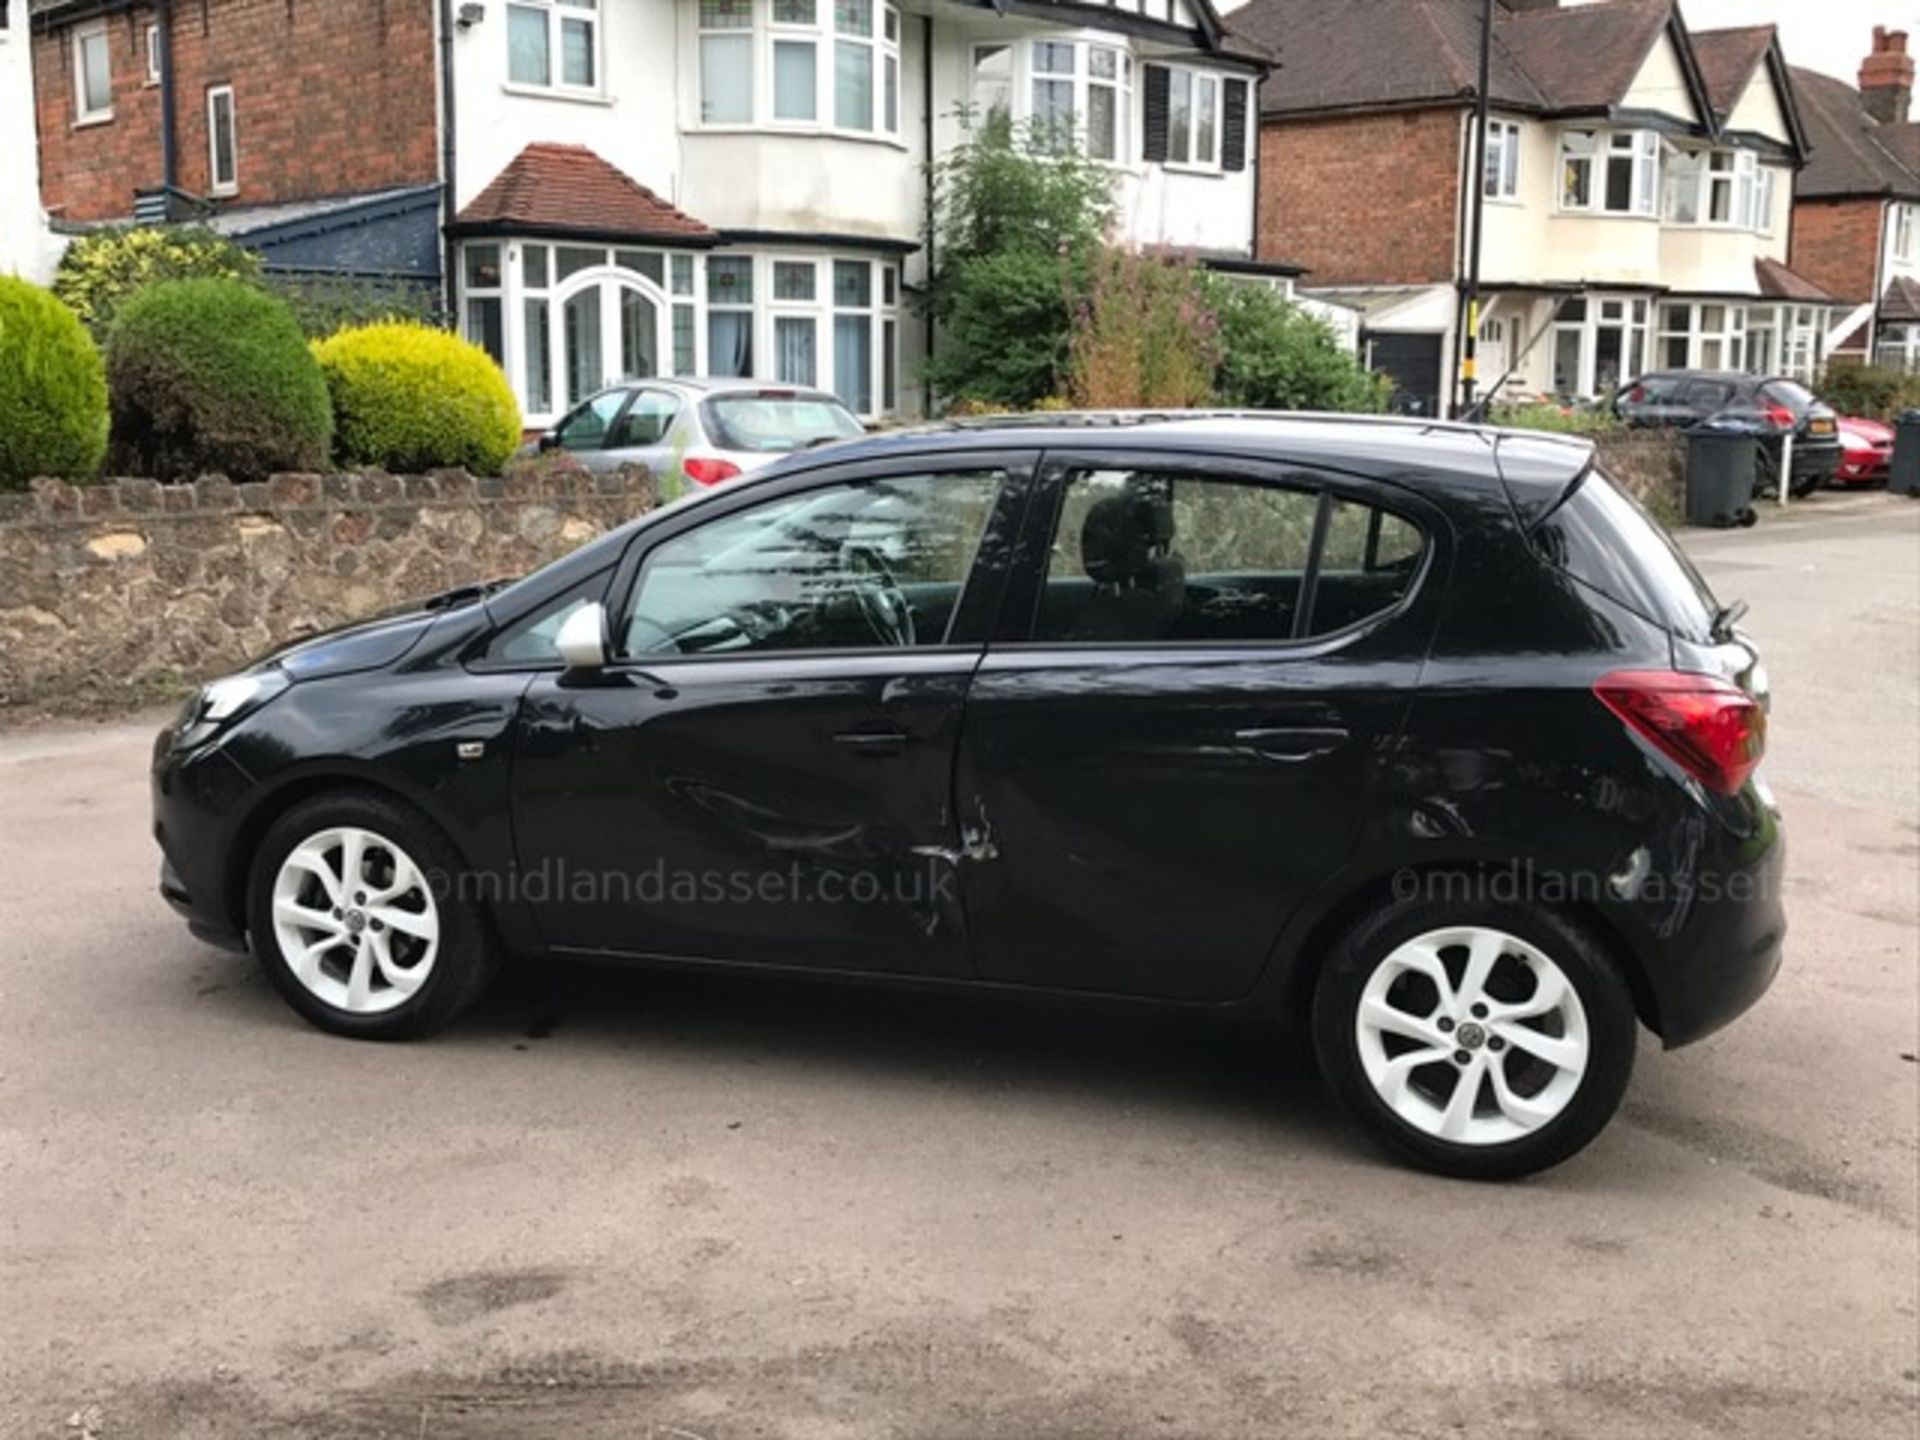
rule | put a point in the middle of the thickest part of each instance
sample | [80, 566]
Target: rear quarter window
[1602, 537]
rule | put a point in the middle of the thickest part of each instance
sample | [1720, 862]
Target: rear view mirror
[582, 641]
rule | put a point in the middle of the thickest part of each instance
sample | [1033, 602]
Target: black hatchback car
[1422, 733]
[1775, 405]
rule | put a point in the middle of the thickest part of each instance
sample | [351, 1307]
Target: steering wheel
[882, 603]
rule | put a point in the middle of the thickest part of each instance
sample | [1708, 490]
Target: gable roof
[1728, 59]
[567, 190]
[1777, 282]
[1849, 153]
[1373, 54]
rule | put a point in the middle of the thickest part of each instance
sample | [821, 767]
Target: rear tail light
[1782, 418]
[1709, 727]
[708, 472]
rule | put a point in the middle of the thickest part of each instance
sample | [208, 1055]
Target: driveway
[627, 1205]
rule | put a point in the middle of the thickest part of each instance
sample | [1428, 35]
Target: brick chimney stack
[1886, 77]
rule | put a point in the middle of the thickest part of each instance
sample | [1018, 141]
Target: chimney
[1886, 77]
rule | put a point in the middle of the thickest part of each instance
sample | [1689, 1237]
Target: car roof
[719, 384]
[1407, 449]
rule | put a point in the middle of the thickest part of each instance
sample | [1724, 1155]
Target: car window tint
[1601, 537]
[530, 639]
[1709, 394]
[646, 420]
[858, 565]
[1140, 557]
[586, 428]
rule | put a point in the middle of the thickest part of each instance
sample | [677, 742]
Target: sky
[1833, 36]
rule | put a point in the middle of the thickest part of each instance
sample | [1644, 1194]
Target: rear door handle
[1291, 743]
[873, 742]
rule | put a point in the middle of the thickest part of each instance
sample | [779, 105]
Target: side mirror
[582, 641]
[549, 441]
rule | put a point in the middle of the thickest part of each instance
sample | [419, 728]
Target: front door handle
[1292, 743]
[873, 742]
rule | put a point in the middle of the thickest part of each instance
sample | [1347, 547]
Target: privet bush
[53, 399]
[101, 270]
[407, 397]
[213, 375]
[1875, 391]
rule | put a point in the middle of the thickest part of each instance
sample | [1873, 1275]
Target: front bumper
[194, 792]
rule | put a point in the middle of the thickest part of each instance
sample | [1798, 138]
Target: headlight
[226, 699]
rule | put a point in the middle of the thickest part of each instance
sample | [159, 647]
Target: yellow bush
[409, 397]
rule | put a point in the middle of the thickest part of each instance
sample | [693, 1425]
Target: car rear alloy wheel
[356, 910]
[1477, 1038]
[1472, 1035]
[355, 920]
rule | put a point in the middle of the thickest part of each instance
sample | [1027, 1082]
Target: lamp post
[1470, 351]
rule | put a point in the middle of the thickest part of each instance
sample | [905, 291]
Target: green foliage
[1877, 392]
[213, 375]
[1016, 224]
[1276, 356]
[102, 269]
[1557, 419]
[1144, 335]
[53, 394]
[408, 397]
[1002, 336]
[325, 304]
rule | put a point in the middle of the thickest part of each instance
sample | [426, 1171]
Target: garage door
[1412, 363]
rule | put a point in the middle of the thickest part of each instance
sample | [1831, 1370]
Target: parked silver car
[697, 431]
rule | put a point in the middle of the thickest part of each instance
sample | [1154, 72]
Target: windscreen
[766, 424]
[1600, 536]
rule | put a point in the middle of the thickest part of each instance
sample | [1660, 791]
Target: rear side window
[1601, 537]
[1653, 390]
[1790, 393]
[773, 424]
[1709, 394]
[1139, 557]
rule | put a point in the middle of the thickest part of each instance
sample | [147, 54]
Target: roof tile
[569, 190]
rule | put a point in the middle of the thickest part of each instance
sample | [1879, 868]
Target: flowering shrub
[1143, 335]
[101, 270]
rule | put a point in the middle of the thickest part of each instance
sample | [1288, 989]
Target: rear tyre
[352, 912]
[1475, 1039]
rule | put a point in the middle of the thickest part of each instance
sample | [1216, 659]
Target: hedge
[213, 376]
[408, 397]
[53, 395]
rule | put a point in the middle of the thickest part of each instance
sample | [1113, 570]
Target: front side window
[554, 44]
[92, 74]
[1501, 178]
[1139, 558]
[823, 64]
[222, 141]
[1610, 173]
[869, 564]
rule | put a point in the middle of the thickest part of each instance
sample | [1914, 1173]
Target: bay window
[730, 315]
[831, 64]
[554, 44]
[1077, 93]
[796, 332]
[1904, 232]
[990, 90]
[853, 334]
[485, 307]
[1611, 173]
[1719, 187]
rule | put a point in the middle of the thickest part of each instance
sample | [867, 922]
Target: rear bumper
[1723, 946]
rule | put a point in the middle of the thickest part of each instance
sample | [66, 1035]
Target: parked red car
[1866, 451]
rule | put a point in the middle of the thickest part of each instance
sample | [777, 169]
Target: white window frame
[1904, 232]
[153, 54]
[83, 113]
[231, 184]
[1193, 159]
[1596, 150]
[764, 34]
[1024, 76]
[1500, 170]
[558, 14]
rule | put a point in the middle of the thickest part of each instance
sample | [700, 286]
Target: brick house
[1637, 189]
[1856, 209]
[632, 187]
[27, 247]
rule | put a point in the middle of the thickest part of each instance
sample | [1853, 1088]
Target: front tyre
[1477, 1040]
[349, 913]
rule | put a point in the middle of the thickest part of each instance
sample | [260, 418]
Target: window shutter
[1233, 133]
[1153, 115]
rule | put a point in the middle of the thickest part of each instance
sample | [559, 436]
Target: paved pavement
[635, 1206]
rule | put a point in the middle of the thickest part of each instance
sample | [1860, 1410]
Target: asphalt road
[626, 1205]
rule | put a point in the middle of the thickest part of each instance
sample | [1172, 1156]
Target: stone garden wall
[130, 592]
